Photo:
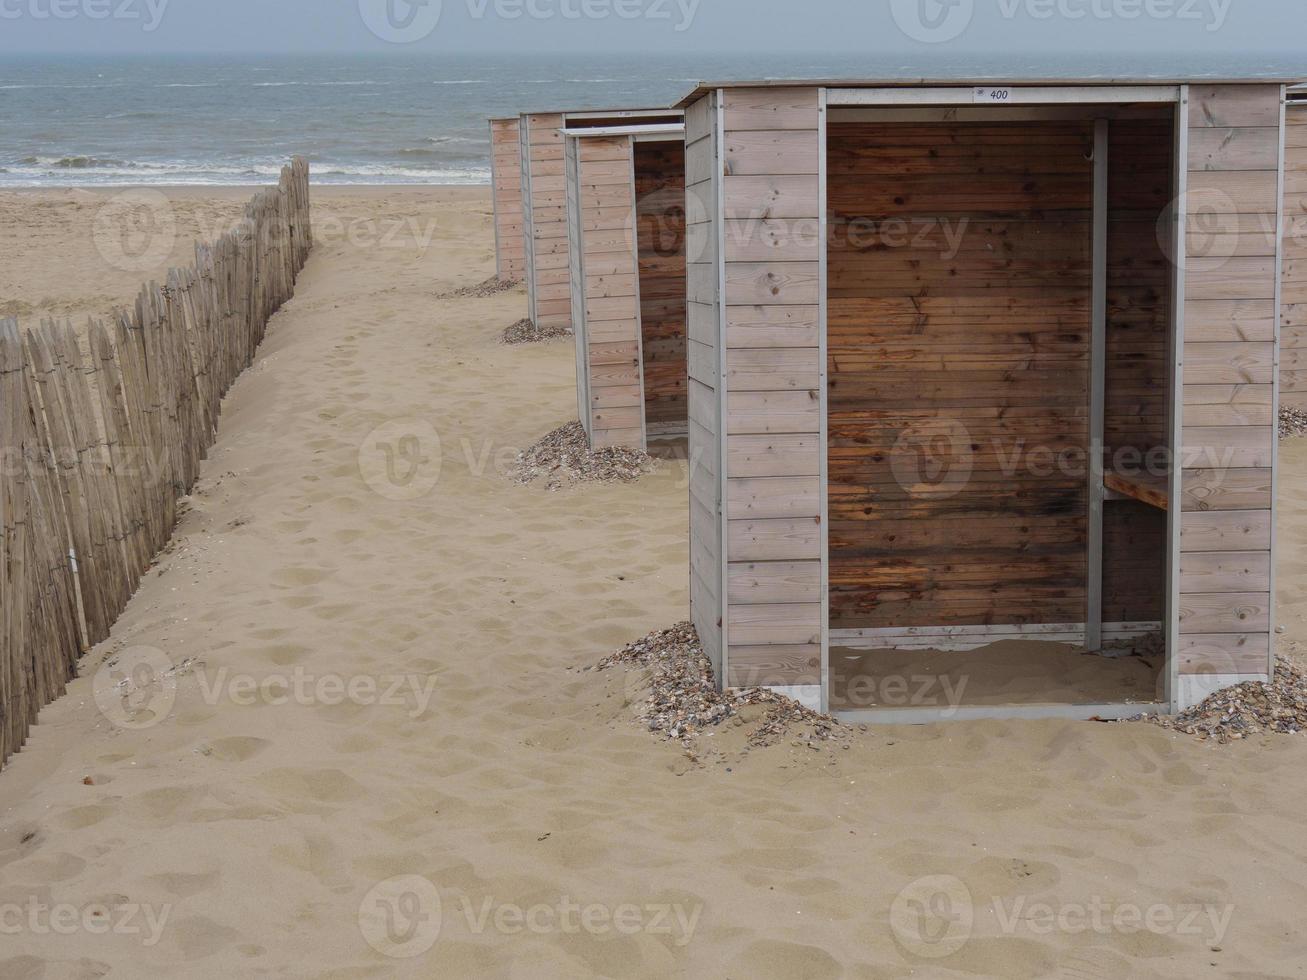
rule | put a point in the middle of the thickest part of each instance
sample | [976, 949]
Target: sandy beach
[378, 679]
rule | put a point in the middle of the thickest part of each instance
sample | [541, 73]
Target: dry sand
[260, 828]
[1009, 672]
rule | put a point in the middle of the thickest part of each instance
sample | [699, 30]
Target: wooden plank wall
[1229, 434]
[1293, 325]
[703, 343]
[1138, 362]
[610, 291]
[546, 203]
[771, 159]
[958, 362]
[506, 182]
[660, 216]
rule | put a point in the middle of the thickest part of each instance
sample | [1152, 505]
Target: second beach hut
[626, 241]
[544, 202]
[506, 192]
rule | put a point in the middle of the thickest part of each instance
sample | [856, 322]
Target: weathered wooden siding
[610, 291]
[506, 185]
[1293, 328]
[1229, 410]
[958, 350]
[703, 343]
[771, 160]
[545, 201]
[660, 216]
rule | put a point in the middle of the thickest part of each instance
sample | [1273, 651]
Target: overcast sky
[1259, 29]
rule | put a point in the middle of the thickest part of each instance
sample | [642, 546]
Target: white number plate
[994, 96]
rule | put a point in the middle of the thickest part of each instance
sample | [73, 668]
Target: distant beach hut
[544, 199]
[976, 371]
[506, 188]
[626, 246]
[1293, 329]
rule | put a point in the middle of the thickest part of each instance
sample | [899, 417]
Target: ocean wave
[359, 82]
[73, 162]
[461, 81]
[48, 171]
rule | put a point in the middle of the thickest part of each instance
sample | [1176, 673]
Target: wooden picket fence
[101, 435]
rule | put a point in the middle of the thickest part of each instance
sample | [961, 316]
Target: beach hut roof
[634, 113]
[655, 132]
[703, 88]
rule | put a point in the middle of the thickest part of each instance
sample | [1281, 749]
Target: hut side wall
[660, 217]
[1293, 330]
[703, 391]
[1226, 577]
[772, 252]
[506, 184]
[546, 201]
[610, 292]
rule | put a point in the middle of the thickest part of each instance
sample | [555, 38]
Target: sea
[375, 119]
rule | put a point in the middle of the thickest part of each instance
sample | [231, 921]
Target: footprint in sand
[181, 885]
[773, 957]
[294, 576]
[237, 748]
[81, 817]
[319, 785]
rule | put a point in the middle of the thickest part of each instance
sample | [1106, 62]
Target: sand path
[260, 828]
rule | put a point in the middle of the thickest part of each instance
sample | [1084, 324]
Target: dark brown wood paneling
[959, 283]
[1138, 364]
[660, 212]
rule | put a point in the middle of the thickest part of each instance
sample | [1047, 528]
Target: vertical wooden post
[1097, 391]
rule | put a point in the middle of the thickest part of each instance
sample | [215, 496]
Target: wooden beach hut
[626, 242]
[1293, 331]
[544, 199]
[506, 191]
[972, 386]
